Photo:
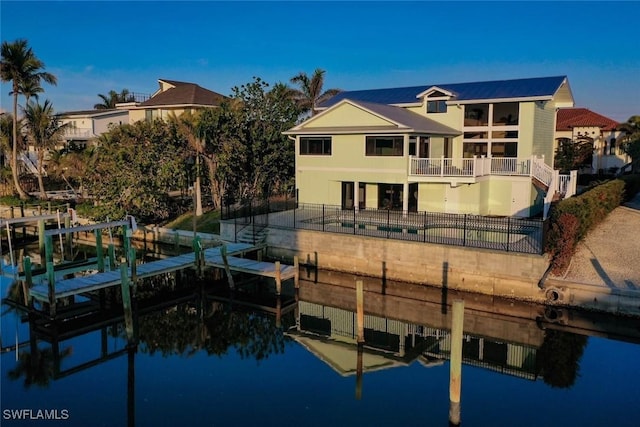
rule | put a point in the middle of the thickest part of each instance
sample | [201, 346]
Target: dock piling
[278, 278]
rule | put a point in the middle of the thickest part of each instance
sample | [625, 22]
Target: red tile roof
[569, 118]
[184, 94]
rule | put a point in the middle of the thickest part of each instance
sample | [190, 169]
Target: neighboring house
[481, 148]
[83, 126]
[583, 125]
[172, 97]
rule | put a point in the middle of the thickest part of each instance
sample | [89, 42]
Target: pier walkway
[212, 257]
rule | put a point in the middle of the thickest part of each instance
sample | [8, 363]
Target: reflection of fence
[499, 233]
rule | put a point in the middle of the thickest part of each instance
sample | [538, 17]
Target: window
[385, 146]
[316, 146]
[476, 115]
[504, 134]
[506, 113]
[612, 147]
[504, 149]
[475, 135]
[436, 107]
[475, 149]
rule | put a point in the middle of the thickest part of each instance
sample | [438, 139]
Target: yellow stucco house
[172, 97]
[483, 148]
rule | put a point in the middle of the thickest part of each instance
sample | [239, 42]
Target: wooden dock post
[223, 253]
[134, 270]
[455, 362]
[278, 278]
[51, 277]
[28, 280]
[296, 272]
[68, 237]
[99, 250]
[126, 301]
[197, 249]
[360, 310]
[41, 229]
[112, 257]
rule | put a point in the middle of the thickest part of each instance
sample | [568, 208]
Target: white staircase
[30, 164]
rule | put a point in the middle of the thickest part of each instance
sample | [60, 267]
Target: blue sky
[93, 47]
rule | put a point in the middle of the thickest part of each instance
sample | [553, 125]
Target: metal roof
[498, 89]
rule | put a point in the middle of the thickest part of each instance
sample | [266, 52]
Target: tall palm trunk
[14, 152]
[43, 193]
[216, 193]
[197, 188]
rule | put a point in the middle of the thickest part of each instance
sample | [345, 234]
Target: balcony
[468, 170]
[78, 133]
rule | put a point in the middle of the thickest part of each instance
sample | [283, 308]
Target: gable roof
[183, 93]
[569, 118]
[538, 88]
[400, 120]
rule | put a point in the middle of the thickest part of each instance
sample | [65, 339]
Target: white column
[356, 195]
[405, 198]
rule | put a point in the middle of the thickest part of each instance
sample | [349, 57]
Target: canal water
[203, 356]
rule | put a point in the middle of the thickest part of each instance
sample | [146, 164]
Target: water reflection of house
[330, 334]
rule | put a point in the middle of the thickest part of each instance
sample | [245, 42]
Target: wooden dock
[212, 257]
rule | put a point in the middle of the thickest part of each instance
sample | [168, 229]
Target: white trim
[434, 89]
[500, 100]
[356, 105]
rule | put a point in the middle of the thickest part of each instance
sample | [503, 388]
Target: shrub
[564, 235]
[571, 219]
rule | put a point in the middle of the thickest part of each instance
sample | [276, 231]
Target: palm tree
[23, 69]
[44, 131]
[110, 100]
[188, 125]
[310, 94]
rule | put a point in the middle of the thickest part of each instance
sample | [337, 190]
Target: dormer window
[436, 99]
[439, 106]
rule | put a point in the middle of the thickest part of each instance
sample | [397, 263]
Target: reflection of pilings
[278, 311]
[455, 380]
[131, 382]
[126, 301]
[360, 310]
[359, 372]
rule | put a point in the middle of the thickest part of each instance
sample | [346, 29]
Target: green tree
[188, 127]
[44, 132]
[631, 140]
[570, 155]
[267, 154]
[23, 69]
[310, 93]
[133, 169]
[110, 100]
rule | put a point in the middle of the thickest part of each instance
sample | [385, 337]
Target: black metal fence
[499, 233]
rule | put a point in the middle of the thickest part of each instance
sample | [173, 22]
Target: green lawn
[209, 222]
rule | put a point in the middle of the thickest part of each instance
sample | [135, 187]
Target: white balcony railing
[470, 167]
[78, 133]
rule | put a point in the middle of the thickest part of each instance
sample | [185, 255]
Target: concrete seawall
[506, 274]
